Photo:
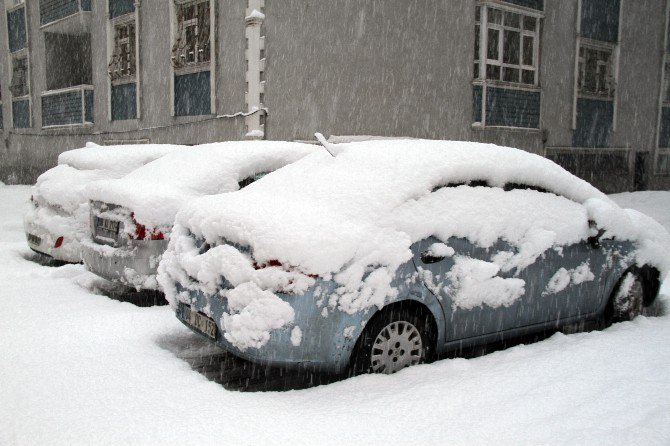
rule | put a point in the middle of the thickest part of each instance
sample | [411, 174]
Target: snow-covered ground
[80, 368]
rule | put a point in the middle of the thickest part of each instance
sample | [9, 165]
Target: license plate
[34, 240]
[106, 228]
[200, 322]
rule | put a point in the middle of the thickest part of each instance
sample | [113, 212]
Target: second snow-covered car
[57, 220]
[393, 250]
[131, 217]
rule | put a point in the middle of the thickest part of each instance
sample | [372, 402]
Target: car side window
[472, 183]
[513, 186]
[251, 179]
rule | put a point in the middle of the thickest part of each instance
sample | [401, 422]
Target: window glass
[528, 50]
[528, 77]
[666, 83]
[192, 44]
[492, 44]
[495, 16]
[595, 72]
[529, 23]
[19, 83]
[493, 72]
[512, 20]
[511, 47]
[123, 63]
[510, 74]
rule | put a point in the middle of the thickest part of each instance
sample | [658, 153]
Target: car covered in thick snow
[57, 219]
[131, 217]
[392, 251]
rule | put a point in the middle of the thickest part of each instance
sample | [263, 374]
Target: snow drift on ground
[80, 368]
[354, 216]
[156, 191]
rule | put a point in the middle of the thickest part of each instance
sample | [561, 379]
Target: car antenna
[326, 145]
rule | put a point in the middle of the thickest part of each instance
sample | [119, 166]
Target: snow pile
[352, 218]
[156, 191]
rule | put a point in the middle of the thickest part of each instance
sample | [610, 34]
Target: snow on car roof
[157, 190]
[121, 158]
[64, 184]
[324, 212]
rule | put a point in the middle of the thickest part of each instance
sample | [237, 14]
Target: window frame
[616, 52]
[23, 53]
[610, 75]
[195, 68]
[481, 44]
[484, 26]
[112, 24]
[663, 99]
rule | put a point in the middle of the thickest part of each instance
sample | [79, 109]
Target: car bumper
[326, 343]
[43, 241]
[134, 265]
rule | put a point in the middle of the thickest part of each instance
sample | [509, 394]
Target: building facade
[583, 82]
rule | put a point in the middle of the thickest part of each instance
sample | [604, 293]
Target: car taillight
[141, 231]
[59, 242]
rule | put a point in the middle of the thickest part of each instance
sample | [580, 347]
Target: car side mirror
[428, 257]
[594, 240]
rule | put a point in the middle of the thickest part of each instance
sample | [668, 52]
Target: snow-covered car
[391, 251]
[58, 218]
[131, 217]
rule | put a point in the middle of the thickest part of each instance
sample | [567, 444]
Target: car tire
[629, 297]
[394, 339]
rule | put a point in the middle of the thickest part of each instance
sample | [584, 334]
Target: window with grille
[19, 82]
[192, 40]
[508, 49]
[595, 71]
[123, 62]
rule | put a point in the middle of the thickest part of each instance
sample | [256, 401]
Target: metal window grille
[192, 44]
[123, 63]
[595, 72]
[19, 84]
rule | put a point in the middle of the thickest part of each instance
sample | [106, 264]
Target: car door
[463, 319]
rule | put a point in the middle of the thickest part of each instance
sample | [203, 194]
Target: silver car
[394, 251]
[131, 218]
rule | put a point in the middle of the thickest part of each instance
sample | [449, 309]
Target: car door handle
[427, 257]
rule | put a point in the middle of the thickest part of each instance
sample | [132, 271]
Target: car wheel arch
[649, 277]
[414, 306]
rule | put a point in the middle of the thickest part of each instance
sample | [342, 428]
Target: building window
[123, 64]
[596, 59]
[595, 72]
[506, 61]
[509, 45]
[192, 57]
[665, 94]
[19, 83]
[192, 40]
[122, 68]
[663, 164]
